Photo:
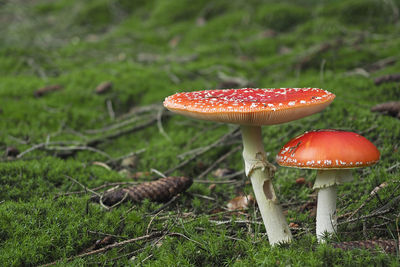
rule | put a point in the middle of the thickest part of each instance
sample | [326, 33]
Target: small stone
[300, 181]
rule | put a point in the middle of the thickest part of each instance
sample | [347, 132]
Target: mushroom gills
[329, 177]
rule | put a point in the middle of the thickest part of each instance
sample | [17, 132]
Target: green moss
[282, 17]
[95, 14]
[370, 13]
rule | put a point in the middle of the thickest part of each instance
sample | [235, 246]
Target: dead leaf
[174, 41]
[200, 21]
[104, 87]
[268, 33]
[390, 108]
[221, 172]
[211, 187]
[130, 162]
[387, 78]
[284, 50]
[293, 225]
[47, 89]
[240, 202]
[216, 210]
[300, 181]
[139, 175]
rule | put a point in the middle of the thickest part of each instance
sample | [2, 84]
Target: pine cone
[389, 246]
[161, 190]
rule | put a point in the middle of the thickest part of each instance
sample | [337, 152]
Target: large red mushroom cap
[250, 106]
[328, 149]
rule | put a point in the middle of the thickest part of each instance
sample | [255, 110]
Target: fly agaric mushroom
[333, 153]
[251, 108]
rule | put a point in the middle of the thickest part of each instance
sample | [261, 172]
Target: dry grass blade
[114, 245]
[235, 132]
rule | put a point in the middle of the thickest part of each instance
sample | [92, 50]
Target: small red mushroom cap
[249, 106]
[328, 149]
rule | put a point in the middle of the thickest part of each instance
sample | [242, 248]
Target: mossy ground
[149, 50]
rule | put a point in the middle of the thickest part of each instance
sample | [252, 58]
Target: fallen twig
[234, 132]
[108, 247]
[115, 160]
[388, 246]
[114, 126]
[216, 182]
[380, 64]
[45, 90]
[77, 148]
[374, 214]
[218, 161]
[390, 108]
[96, 141]
[314, 51]
[84, 187]
[110, 109]
[42, 145]
[159, 125]
[371, 195]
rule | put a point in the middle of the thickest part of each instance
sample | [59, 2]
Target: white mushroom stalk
[260, 171]
[326, 183]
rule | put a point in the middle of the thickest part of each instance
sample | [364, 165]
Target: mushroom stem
[260, 171]
[325, 183]
[326, 212]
